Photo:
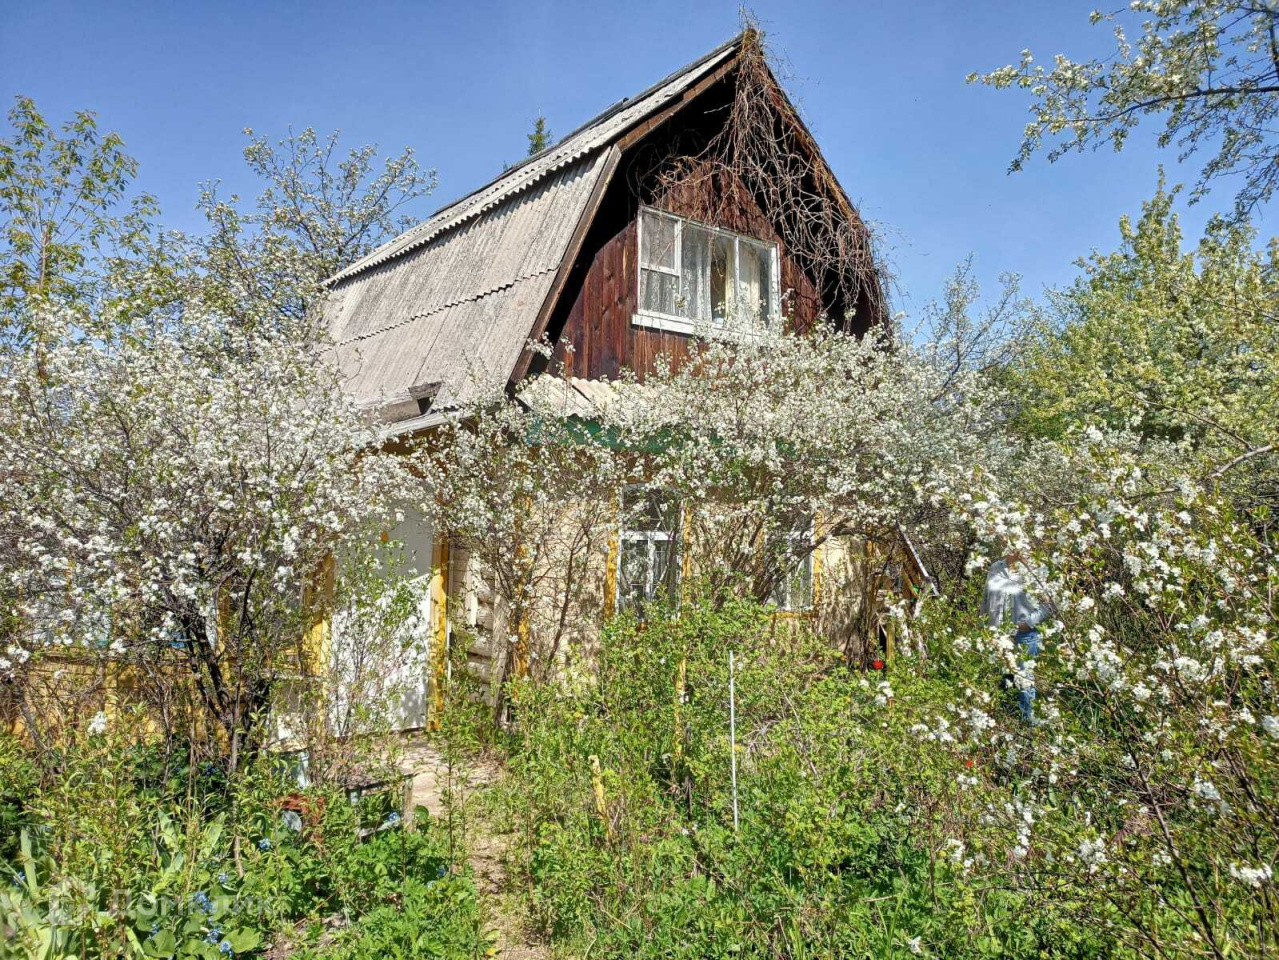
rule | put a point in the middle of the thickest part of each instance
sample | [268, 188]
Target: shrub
[118, 853]
[845, 810]
[432, 918]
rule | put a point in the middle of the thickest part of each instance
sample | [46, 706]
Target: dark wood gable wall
[598, 324]
[602, 293]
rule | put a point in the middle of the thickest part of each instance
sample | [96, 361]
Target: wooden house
[624, 239]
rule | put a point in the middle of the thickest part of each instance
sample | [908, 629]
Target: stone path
[486, 847]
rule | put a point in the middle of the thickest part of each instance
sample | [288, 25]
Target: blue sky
[881, 84]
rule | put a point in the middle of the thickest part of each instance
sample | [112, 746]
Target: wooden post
[732, 734]
[440, 640]
[610, 575]
[613, 561]
[319, 598]
[525, 599]
[597, 786]
[677, 747]
[683, 543]
[818, 561]
[522, 645]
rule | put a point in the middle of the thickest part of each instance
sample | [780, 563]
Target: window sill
[682, 325]
[658, 321]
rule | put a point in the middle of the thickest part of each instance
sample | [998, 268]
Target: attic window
[693, 276]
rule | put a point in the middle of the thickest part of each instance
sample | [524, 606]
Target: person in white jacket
[1008, 603]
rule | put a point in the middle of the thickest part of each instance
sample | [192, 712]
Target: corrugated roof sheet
[462, 304]
[462, 290]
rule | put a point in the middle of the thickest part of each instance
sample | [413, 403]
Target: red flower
[877, 664]
[968, 763]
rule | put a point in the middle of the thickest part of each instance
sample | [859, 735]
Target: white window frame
[650, 538]
[673, 323]
[803, 536]
[679, 241]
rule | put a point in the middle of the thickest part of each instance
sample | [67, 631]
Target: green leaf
[211, 834]
[161, 944]
[243, 941]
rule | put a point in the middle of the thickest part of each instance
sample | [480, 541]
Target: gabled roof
[460, 294]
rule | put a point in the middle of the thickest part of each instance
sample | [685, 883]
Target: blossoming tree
[179, 467]
[1146, 790]
[761, 450]
[170, 495]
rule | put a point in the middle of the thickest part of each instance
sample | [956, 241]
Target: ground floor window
[790, 549]
[648, 565]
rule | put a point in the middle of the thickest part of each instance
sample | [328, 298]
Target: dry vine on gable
[765, 150]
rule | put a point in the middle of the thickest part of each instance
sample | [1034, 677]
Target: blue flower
[440, 871]
[264, 844]
[202, 900]
[213, 936]
[155, 927]
[223, 878]
[392, 818]
[225, 948]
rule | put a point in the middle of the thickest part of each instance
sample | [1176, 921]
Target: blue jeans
[1028, 642]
